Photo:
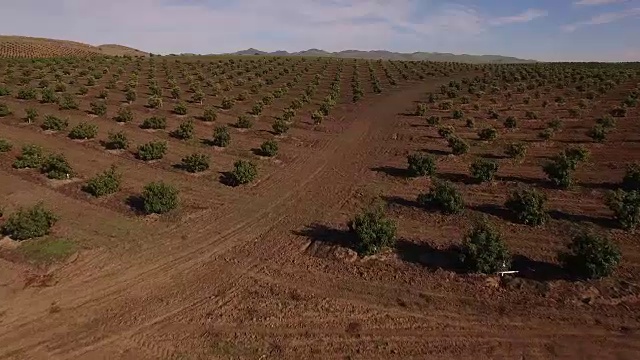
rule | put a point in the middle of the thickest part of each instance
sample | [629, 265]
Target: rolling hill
[30, 47]
[388, 55]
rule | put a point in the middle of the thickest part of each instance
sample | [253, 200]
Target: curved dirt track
[238, 282]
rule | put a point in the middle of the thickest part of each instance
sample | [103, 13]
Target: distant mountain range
[388, 55]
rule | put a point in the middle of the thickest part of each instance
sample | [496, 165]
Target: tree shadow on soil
[226, 178]
[494, 210]
[399, 201]
[581, 218]
[136, 203]
[603, 185]
[324, 234]
[436, 152]
[430, 257]
[457, 178]
[538, 270]
[526, 180]
[492, 156]
[392, 171]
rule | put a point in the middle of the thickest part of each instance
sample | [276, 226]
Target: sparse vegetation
[372, 231]
[443, 197]
[421, 165]
[159, 198]
[528, 206]
[484, 251]
[591, 256]
[104, 183]
[29, 223]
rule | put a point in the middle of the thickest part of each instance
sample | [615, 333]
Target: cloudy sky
[599, 30]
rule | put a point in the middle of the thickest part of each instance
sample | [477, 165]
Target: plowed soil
[260, 273]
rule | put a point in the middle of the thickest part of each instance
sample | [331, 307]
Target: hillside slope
[29, 47]
[388, 55]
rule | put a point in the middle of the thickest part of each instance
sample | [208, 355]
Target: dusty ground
[260, 272]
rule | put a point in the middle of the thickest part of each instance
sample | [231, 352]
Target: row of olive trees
[483, 249]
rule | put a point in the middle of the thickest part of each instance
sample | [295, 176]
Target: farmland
[263, 162]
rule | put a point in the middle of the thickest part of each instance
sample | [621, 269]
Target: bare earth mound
[28, 47]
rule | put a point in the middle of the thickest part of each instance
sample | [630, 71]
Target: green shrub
[280, 126]
[244, 122]
[560, 171]
[317, 117]
[221, 136]
[488, 134]
[591, 256]
[185, 131]
[29, 223]
[443, 197]
[27, 93]
[244, 95]
[555, 124]
[84, 130]
[98, 108]
[209, 114]
[528, 206]
[433, 120]
[154, 102]
[516, 151]
[484, 251]
[421, 165]
[103, 94]
[31, 115]
[82, 90]
[607, 122]
[458, 114]
[32, 157]
[131, 95]
[195, 163]
[54, 123]
[227, 103]
[631, 180]
[373, 231]
[180, 109]
[257, 108]
[4, 91]
[159, 198]
[531, 115]
[4, 110]
[48, 96]
[446, 131]
[626, 207]
[56, 166]
[269, 148]
[5, 146]
[124, 115]
[511, 123]
[154, 122]
[421, 110]
[117, 141]
[597, 133]
[457, 145]
[243, 172]
[67, 102]
[483, 170]
[153, 150]
[546, 134]
[104, 183]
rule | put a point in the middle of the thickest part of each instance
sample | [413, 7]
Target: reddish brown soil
[259, 272]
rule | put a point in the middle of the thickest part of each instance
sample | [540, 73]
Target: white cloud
[203, 26]
[526, 16]
[604, 18]
[596, 2]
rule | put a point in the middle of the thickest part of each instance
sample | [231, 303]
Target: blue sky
[555, 30]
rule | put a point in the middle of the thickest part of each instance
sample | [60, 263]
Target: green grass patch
[47, 250]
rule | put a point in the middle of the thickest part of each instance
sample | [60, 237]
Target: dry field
[29, 47]
[268, 269]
